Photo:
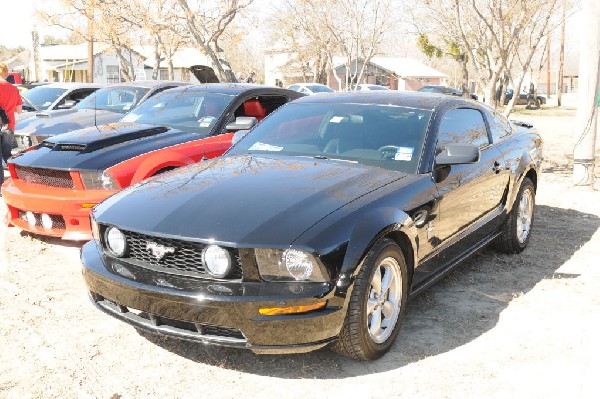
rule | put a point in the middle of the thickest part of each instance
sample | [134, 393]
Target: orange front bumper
[69, 209]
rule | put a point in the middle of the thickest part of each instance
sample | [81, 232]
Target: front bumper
[212, 312]
[65, 207]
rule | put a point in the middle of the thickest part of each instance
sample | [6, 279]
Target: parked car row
[104, 106]
[256, 217]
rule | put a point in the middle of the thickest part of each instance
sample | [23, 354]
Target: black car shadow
[463, 306]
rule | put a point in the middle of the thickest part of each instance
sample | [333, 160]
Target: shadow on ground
[52, 240]
[463, 306]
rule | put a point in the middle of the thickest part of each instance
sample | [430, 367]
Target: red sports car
[54, 184]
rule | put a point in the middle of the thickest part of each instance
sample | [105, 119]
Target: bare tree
[323, 29]
[109, 26]
[302, 36]
[206, 23]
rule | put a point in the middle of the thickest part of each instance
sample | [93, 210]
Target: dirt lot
[525, 326]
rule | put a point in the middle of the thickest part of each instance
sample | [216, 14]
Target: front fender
[373, 225]
[158, 161]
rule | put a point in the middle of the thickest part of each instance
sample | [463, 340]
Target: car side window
[499, 126]
[78, 95]
[462, 125]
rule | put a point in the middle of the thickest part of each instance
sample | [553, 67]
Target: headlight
[98, 180]
[115, 241]
[217, 261]
[288, 265]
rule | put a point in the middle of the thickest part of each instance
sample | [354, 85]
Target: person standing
[11, 103]
[251, 77]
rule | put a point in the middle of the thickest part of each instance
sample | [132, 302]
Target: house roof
[184, 57]
[407, 67]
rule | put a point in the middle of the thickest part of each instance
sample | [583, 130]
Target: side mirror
[457, 154]
[28, 108]
[242, 123]
[67, 104]
[240, 134]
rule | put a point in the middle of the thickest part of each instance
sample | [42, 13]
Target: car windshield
[119, 99]
[320, 89]
[43, 97]
[189, 111]
[385, 136]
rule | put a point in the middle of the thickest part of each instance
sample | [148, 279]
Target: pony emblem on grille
[158, 251]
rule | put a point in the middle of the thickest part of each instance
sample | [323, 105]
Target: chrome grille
[45, 177]
[186, 258]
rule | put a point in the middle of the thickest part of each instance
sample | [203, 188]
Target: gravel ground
[524, 326]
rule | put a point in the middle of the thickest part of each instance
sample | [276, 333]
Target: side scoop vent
[70, 147]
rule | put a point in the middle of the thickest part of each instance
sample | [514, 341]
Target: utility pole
[90, 64]
[561, 66]
[587, 106]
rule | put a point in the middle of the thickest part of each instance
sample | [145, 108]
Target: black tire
[356, 340]
[515, 236]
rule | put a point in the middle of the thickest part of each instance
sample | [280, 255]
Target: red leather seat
[253, 107]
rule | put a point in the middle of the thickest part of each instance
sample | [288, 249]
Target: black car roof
[389, 97]
[148, 83]
[232, 88]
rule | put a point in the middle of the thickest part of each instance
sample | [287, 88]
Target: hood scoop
[93, 139]
[64, 146]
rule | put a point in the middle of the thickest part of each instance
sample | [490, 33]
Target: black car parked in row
[318, 225]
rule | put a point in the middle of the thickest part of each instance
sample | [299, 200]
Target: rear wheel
[517, 229]
[376, 305]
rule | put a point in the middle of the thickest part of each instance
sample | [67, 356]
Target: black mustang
[318, 225]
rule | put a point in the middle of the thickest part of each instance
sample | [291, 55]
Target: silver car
[104, 106]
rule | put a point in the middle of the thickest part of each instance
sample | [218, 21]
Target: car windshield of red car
[189, 111]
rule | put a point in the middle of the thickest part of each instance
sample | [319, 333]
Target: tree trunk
[465, 77]
[587, 109]
[35, 44]
[157, 60]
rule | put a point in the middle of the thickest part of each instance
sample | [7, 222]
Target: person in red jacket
[11, 103]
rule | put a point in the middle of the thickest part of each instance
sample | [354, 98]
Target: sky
[21, 22]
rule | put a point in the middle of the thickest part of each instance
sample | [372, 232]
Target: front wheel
[377, 304]
[517, 229]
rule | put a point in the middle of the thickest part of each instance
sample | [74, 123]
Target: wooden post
[561, 66]
[548, 68]
[587, 106]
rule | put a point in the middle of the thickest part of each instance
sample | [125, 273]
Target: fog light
[298, 264]
[217, 261]
[46, 221]
[30, 217]
[115, 241]
[291, 309]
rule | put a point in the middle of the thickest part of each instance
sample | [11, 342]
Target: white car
[54, 96]
[367, 87]
[311, 88]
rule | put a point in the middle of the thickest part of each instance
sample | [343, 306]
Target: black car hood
[50, 123]
[242, 200]
[96, 148]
